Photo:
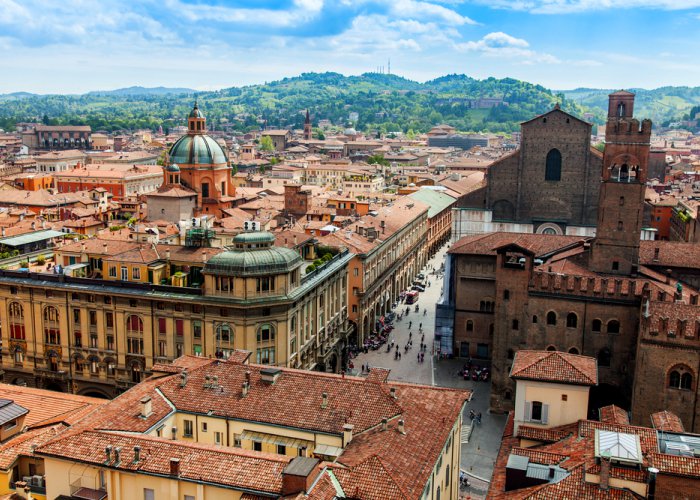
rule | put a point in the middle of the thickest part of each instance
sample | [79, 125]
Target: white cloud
[302, 11]
[576, 6]
[417, 9]
[499, 44]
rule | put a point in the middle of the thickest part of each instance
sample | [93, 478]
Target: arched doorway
[94, 393]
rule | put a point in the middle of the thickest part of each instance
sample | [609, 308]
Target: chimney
[33, 225]
[108, 453]
[215, 382]
[270, 375]
[167, 254]
[392, 391]
[402, 427]
[347, 433]
[174, 466]
[651, 492]
[668, 276]
[385, 423]
[324, 400]
[117, 455]
[173, 430]
[207, 382]
[247, 376]
[605, 471]
[244, 393]
[551, 472]
[299, 476]
[137, 454]
[183, 379]
[146, 406]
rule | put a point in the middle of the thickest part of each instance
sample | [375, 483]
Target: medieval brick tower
[307, 127]
[615, 249]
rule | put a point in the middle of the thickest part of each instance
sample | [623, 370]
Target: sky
[74, 46]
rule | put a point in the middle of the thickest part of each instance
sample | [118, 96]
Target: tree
[319, 134]
[266, 144]
[377, 160]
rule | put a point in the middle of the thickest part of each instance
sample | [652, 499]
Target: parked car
[418, 288]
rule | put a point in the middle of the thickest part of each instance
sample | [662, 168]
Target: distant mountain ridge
[384, 103]
[137, 90]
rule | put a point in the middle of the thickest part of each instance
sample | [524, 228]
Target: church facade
[549, 185]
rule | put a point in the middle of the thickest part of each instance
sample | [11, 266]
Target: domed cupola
[196, 122]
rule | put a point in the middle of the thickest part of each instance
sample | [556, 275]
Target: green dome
[254, 237]
[173, 168]
[253, 262]
[196, 113]
[197, 149]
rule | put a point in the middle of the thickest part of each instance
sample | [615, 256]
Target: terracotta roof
[546, 435]
[23, 444]
[613, 414]
[370, 480]
[49, 407]
[555, 366]
[676, 465]
[667, 421]
[253, 470]
[539, 244]
[671, 254]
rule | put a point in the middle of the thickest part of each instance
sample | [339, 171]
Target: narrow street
[479, 454]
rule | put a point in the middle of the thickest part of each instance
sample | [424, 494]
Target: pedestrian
[420, 327]
[478, 418]
[399, 356]
[409, 325]
[419, 357]
[472, 415]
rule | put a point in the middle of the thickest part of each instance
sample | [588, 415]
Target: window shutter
[545, 412]
[528, 411]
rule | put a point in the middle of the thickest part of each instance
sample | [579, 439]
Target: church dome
[196, 113]
[197, 149]
[173, 168]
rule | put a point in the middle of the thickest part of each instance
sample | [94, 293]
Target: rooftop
[555, 366]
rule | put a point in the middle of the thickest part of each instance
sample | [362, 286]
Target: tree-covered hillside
[383, 102]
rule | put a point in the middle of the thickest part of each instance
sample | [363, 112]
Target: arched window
[596, 325]
[551, 348]
[470, 325]
[265, 353]
[515, 325]
[17, 321]
[613, 326]
[621, 110]
[553, 166]
[624, 173]
[52, 332]
[534, 319]
[134, 335]
[604, 357]
[573, 350]
[571, 320]
[224, 340]
[686, 381]
[552, 318]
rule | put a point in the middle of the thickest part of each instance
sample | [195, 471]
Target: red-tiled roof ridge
[550, 435]
[361, 481]
[583, 369]
[378, 375]
[614, 414]
[540, 456]
[667, 421]
[675, 465]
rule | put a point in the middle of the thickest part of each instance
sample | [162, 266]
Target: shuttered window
[536, 411]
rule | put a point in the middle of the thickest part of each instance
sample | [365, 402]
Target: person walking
[478, 418]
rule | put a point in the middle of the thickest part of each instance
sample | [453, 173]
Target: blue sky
[73, 46]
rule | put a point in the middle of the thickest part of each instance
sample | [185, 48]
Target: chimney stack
[385, 423]
[215, 382]
[207, 382]
[174, 466]
[402, 427]
[146, 409]
[347, 433]
[108, 453]
[245, 389]
[605, 471]
[392, 391]
[183, 378]
[117, 455]
[167, 254]
[247, 376]
[137, 454]
[174, 433]
[324, 400]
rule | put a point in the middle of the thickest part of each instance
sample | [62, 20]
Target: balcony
[50, 374]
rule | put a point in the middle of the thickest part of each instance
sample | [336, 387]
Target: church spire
[307, 126]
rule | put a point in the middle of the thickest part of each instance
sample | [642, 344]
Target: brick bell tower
[307, 127]
[615, 249]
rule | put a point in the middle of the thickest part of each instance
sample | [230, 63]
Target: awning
[33, 237]
[90, 494]
[327, 450]
[260, 437]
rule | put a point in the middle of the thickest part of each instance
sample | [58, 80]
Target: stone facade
[549, 185]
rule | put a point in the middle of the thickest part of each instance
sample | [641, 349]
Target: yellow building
[100, 336]
[390, 247]
[209, 429]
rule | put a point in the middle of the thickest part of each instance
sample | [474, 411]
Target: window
[470, 325]
[482, 351]
[447, 475]
[613, 326]
[281, 449]
[162, 326]
[573, 350]
[17, 321]
[571, 320]
[125, 273]
[136, 273]
[204, 427]
[237, 441]
[552, 318]
[506, 294]
[149, 494]
[622, 203]
[257, 446]
[534, 319]
[680, 378]
[112, 271]
[564, 397]
[301, 452]
[604, 357]
[52, 333]
[188, 428]
[515, 325]
[266, 333]
[197, 329]
[596, 325]
[553, 166]
[218, 438]
[615, 265]
[510, 354]
[205, 190]
[619, 225]
[266, 356]
[536, 411]
[179, 327]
